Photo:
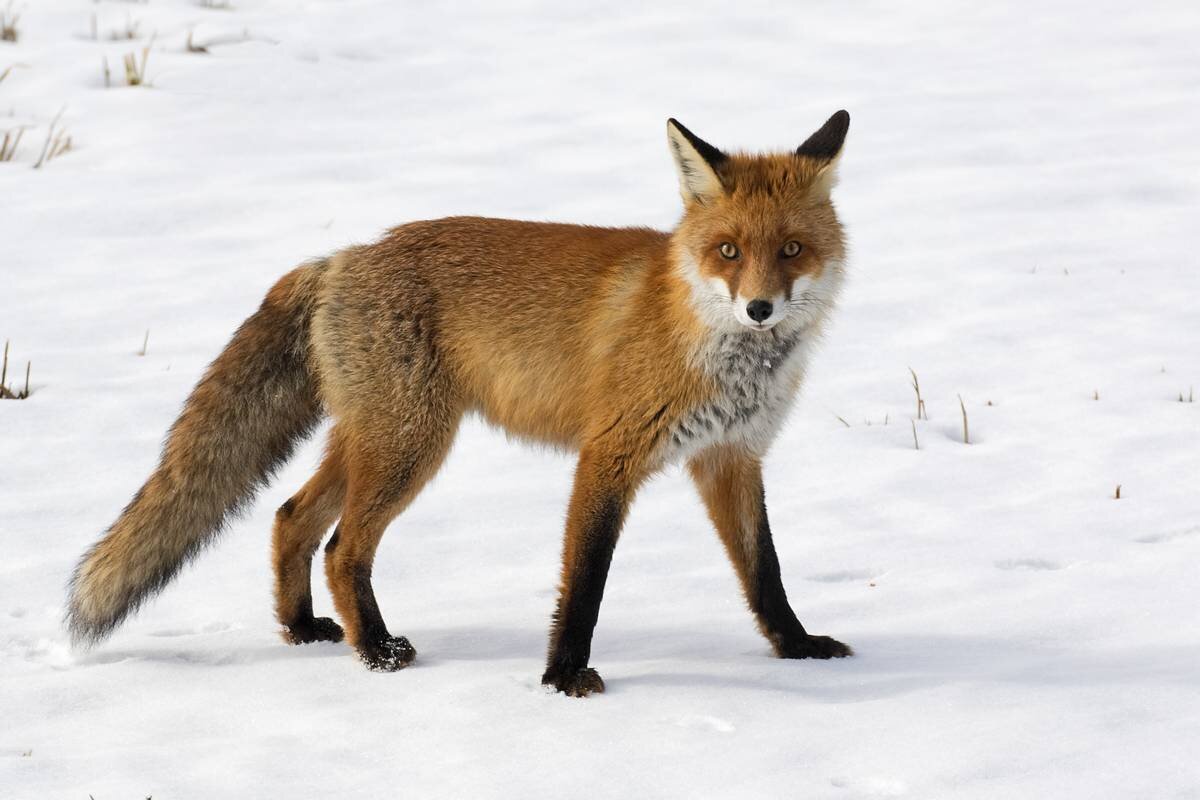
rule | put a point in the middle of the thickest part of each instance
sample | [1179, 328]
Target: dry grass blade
[192, 47]
[920, 401]
[57, 142]
[130, 31]
[135, 71]
[966, 432]
[916, 444]
[8, 147]
[5, 392]
[62, 144]
[145, 342]
[5, 72]
[8, 24]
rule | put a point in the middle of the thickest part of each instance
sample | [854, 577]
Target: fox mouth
[759, 326]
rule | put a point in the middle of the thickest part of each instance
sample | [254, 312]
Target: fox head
[759, 242]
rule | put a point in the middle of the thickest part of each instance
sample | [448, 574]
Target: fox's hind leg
[385, 471]
[299, 525]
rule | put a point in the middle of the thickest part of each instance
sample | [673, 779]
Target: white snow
[1020, 185]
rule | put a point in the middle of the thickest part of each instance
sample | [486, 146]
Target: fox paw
[315, 629]
[814, 647]
[388, 655]
[575, 683]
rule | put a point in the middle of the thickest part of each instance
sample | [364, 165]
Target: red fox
[633, 347]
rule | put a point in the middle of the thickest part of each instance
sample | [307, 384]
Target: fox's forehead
[784, 177]
[770, 200]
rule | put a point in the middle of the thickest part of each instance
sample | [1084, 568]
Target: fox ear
[697, 162]
[825, 148]
[826, 144]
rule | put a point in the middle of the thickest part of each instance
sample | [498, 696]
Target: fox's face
[759, 241]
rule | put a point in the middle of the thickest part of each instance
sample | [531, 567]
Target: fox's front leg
[730, 483]
[598, 503]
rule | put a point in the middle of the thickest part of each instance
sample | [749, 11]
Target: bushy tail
[242, 420]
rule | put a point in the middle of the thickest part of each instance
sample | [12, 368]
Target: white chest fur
[757, 377]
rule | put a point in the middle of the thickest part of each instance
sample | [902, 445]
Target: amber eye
[791, 249]
[728, 250]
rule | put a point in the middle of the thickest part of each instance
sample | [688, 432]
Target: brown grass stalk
[921, 414]
[5, 392]
[966, 432]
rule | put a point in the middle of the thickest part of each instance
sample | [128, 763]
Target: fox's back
[527, 315]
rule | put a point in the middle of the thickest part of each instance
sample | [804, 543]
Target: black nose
[758, 310]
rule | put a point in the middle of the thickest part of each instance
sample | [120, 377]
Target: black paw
[315, 629]
[388, 655]
[575, 683]
[814, 647]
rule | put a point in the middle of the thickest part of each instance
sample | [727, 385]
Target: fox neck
[754, 379]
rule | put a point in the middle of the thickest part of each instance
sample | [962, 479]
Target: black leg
[593, 525]
[769, 602]
[730, 483]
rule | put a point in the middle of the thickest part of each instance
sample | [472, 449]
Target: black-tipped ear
[697, 162]
[711, 155]
[825, 144]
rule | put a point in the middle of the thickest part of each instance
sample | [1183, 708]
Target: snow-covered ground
[1021, 187]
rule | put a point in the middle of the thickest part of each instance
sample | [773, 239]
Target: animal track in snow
[210, 628]
[706, 722]
[873, 787]
[1028, 564]
[842, 576]
[1158, 538]
[53, 652]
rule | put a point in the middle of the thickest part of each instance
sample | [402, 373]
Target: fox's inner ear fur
[825, 148]
[697, 162]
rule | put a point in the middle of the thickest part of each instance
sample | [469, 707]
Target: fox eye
[791, 249]
[728, 250]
